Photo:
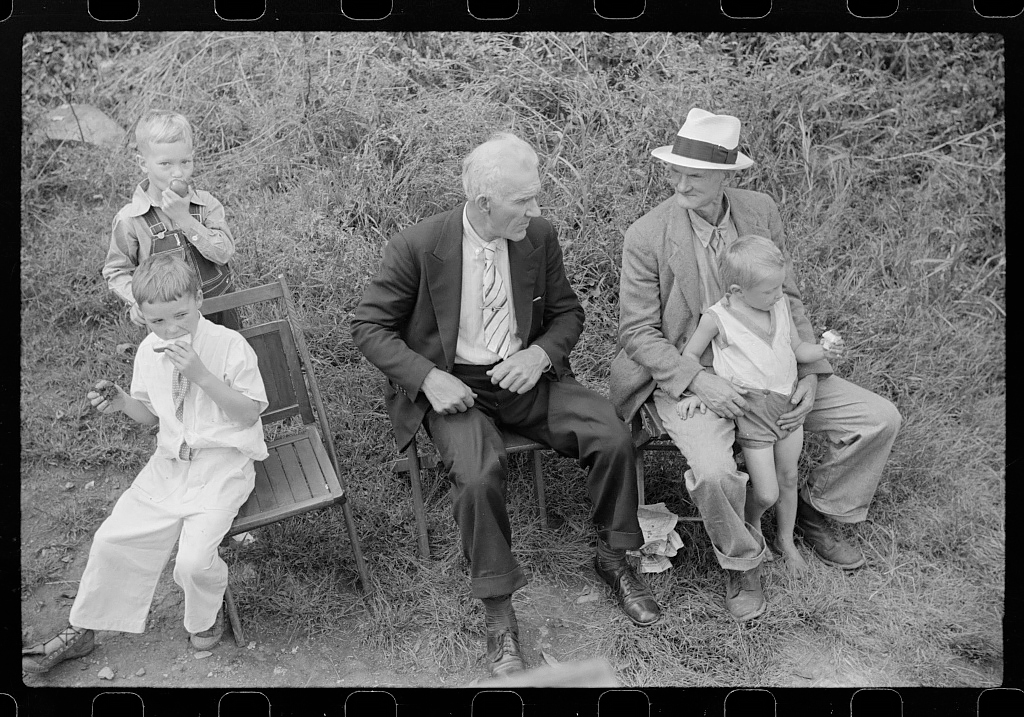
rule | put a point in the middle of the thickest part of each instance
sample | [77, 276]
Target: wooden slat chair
[414, 462]
[302, 472]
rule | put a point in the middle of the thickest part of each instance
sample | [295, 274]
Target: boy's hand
[176, 206]
[688, 406]
[187, 361]
[107, 398]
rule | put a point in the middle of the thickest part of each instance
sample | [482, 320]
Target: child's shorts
[758, 427]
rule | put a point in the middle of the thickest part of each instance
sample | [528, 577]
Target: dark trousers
[564, 415]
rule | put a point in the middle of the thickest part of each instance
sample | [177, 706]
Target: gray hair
[483, 169]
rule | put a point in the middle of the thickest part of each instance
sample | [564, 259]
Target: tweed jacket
[408, 320]
[660, 302]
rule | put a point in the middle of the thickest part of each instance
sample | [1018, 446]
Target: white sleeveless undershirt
[747, 356]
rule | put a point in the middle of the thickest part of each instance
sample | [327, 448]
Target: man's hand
[187, 361]
[803, 400]
[520, 371]
[724, 398]
[446, 393]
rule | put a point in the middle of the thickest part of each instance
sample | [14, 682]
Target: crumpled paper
[661, 541]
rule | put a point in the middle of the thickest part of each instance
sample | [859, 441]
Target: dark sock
[608, 556]
[498, 613]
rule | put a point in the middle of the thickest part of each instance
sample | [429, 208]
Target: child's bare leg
[787, 456]
[764, 487]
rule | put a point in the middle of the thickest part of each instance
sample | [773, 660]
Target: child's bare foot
[796, 566]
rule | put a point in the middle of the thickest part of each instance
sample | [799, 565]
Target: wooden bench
[413, 462]
[302, 472]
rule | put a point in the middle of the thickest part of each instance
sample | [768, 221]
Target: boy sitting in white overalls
[199, 381]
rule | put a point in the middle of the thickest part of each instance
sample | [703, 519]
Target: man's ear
[482, 203]
[734, 289]
[141, 162]
[199, 299]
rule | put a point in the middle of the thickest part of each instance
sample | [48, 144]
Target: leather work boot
[744, 597]
[632, 594]
[813, 526]
[503, 652]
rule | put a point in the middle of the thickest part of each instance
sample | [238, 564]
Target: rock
[589, 597]
[251, 645]
[82, 123]
[106, 674]
[279, 670]
[140, 672]
[203, 655]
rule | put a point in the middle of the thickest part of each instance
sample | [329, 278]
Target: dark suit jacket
[408, 320]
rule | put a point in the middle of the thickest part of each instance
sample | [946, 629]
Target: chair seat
[296, 477]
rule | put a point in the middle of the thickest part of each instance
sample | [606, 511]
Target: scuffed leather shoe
[830, 550]
[633, 596]
[744, 598]
[74, 643]
[503, 652]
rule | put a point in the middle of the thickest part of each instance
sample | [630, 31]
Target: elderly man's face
[698, 189]
[509, 215]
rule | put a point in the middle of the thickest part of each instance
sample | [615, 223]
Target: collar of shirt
[141, 201]
[703, 229]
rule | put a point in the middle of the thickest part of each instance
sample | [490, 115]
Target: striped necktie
[495, 304]
[717, 242]
[179, 389]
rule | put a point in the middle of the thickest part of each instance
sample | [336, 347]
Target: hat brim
[665, 155]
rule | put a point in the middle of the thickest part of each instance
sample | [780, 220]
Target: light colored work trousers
[860, 427]
[132, 546]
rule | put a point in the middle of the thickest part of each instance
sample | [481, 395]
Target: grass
[885, 152]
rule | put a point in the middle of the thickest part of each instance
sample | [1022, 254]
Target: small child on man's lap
[205, 392]
[756, 346]
[166, 214]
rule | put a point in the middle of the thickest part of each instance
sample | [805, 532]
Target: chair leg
[353, 539]
[640, 476]
[417, 499]
[538, 482]
[236, 623]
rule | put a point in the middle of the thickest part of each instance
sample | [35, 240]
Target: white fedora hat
[706, 141]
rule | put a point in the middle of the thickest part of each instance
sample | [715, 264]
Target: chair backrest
[281, 353]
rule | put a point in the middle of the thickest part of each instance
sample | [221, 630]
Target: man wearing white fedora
[669, 277]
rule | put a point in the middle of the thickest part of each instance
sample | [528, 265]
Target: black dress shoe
[503, 652]
[635, 598]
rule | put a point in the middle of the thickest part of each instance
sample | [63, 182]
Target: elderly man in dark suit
[472, 320]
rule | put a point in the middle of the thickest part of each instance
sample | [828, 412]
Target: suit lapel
[523, 262]
[683, 259]
[444, 281]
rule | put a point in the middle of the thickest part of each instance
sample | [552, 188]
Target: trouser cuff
[731, 563]
[619, 540]
[496, 585]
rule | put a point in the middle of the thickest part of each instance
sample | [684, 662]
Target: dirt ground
[558, 623]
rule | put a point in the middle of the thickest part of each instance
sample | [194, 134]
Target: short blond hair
[162, 127]
[748, 260]
[483, 170]
[163, 277]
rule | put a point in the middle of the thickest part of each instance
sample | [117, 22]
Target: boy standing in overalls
[166, 214]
